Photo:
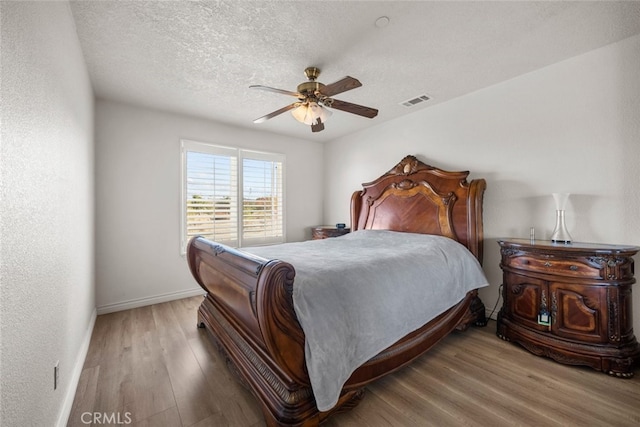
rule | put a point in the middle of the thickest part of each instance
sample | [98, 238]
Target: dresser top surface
[329, 227]
[573, 246]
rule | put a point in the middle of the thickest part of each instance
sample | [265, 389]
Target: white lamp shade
[300, 113]
[318, 112]
[309, 113]
[561, 200]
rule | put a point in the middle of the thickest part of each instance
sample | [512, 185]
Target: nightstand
[570, 302]
[326, 231]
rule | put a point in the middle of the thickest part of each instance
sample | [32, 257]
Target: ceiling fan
[313, 97]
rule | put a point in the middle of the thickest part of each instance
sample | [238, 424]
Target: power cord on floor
[497, 301]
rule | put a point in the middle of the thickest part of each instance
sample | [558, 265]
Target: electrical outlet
[56, 374]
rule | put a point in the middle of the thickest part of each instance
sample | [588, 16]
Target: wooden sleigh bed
[249, 311]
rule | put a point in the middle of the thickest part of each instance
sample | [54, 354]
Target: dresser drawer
[565, 267]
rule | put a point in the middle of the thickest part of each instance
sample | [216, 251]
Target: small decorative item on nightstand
[326, 231]
[570, 302]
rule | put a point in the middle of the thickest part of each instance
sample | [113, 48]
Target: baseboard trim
[141, 302]
[67, 404]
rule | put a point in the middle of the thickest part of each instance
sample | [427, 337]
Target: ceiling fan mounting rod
[312, 73]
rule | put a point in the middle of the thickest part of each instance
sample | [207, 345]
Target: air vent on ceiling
[415, 101]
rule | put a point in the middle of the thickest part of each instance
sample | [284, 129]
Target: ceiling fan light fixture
[309, 113]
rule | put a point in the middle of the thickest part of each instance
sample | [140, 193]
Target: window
[232, 196]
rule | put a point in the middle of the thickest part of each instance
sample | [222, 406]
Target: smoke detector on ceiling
[415, 101]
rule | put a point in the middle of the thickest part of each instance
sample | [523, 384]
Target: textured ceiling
[200, 57]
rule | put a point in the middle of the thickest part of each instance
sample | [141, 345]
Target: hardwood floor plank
[462, 400]
[85, 397]
[421, 406]
[564, 393]
[116, 365]
[154, 363]
[584, 390]
[167, 418]
[215, 420]
[186, 312]
[151, 389]
[142, 321]
[240, 407]
[473, 379]
[107, 338]
[194, 399]
[373, 412]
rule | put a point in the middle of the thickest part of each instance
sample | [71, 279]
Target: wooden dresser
[570, 302]
[326, 231]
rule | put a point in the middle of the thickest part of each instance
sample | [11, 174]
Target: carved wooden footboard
[249, 311]
[249, 308]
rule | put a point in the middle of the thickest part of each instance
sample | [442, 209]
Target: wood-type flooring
[152, 366]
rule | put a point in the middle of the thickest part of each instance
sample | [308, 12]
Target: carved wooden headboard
[417, 198]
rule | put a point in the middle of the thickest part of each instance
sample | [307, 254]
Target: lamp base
[560, 233]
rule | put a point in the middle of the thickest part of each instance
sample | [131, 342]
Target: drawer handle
[573, 268]
[547, 264]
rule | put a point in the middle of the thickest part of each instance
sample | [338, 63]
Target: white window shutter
[215, 179]
[263, 199]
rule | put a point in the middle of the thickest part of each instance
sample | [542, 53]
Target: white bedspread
[357, 294]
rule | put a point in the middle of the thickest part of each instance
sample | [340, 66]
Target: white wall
[47, 303]
[570, 127]
[138, 258]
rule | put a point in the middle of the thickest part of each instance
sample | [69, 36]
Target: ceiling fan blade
[276, 113]
[354, 108]
[273, 89]
[318, 126]
[340, 86]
